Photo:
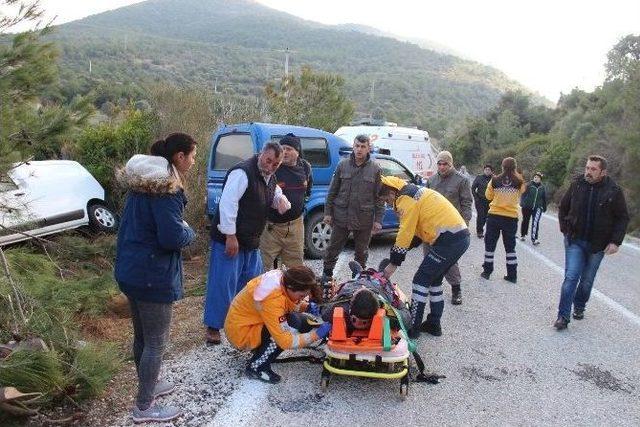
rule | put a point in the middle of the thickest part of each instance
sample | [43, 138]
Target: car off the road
[38, 198]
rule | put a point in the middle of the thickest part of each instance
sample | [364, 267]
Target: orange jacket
[264, 302]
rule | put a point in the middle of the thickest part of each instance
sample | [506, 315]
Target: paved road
[505, 364]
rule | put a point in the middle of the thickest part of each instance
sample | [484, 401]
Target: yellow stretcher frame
[366, 374]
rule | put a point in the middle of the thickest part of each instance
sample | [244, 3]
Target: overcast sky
[551, 46]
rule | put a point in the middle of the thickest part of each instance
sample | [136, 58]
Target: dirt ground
[186, 332]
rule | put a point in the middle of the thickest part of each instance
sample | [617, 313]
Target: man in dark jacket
[593, 217]
[533, 203]
[455, 187]
[283, 237]
[248, 192]
[352, 205]
[478, 189]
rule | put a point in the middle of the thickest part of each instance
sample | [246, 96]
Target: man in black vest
[248, 192]
[284, 236]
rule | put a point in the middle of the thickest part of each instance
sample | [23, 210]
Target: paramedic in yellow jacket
[503, 193]
[425, 216]
[268, 316]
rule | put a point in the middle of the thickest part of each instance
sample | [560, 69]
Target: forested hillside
[237, 47]
[557, 141]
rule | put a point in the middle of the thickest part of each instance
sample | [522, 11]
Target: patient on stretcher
[361, 297]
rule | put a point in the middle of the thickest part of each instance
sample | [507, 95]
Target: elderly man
[284, 236]
[593, 217]
[456, 188]
[248, 192]
[353, 205]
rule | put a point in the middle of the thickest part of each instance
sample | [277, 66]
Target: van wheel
[102, 219]
[316, 236]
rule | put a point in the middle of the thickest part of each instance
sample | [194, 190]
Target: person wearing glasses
[457, 189]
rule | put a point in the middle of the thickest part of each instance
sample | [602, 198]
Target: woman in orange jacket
[267, 317]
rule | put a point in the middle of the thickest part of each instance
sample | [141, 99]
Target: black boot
[456, 295]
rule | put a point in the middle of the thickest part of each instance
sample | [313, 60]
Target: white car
[38, 198]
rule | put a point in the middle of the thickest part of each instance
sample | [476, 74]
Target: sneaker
[155, 413]
[163, 388]
[456, 298]
[212, 336]
[264, 375]
[511, 279]
[485, 275]
[522, 238]
[431, 328]
[535, 242]
[561, 323]
[480, 235]
[578, 314]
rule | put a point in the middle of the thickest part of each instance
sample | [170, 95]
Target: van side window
[231, 149]
[314, 150]
[389, 167]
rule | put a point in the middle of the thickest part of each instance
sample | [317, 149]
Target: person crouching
[268, 316]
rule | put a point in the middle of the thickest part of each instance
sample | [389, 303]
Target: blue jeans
[580, 268]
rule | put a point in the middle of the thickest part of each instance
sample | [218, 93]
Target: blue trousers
[226, 278]
[427, 282]
[580, 268]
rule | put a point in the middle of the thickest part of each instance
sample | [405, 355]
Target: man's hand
[327, 219]
[231, 247]
[389, 270]
[611, 249]
[376, 228]
[283, 205]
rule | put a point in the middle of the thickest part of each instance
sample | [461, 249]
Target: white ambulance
[411, 146]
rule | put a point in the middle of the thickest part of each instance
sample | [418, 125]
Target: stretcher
[380, 352]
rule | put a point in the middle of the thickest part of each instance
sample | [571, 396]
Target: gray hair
[273, 145]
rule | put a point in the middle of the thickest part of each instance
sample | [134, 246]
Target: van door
[227, 150]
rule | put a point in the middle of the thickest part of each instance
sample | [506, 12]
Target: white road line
[625, 244]
[596, 293]
[244, 404]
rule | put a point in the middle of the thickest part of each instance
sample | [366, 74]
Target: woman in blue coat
[148, 265]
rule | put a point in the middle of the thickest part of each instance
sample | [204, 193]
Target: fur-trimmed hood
[149, 174]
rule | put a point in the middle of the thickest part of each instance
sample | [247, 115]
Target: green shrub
[93, 367]
[34, 371]
[103, 148]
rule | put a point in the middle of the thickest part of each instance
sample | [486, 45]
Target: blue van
[231, 144]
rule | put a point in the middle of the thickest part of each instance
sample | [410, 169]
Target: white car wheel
[102, 219]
